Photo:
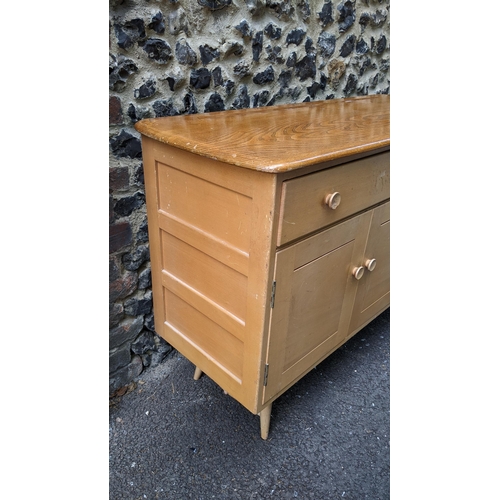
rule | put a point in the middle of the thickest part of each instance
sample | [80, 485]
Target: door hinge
[266, 373]
[273, 293]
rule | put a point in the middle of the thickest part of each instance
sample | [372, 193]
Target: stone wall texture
[170, 57]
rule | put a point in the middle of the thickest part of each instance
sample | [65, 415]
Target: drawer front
[359, 184]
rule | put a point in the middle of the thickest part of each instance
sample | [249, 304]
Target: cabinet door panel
[315, 291]
[373, 293]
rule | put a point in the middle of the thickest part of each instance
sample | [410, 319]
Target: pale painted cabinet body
[256, 279]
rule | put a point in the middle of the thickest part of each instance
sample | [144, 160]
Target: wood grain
[279, 138]
[251, 269]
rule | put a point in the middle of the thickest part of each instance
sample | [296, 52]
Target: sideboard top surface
[282, 137]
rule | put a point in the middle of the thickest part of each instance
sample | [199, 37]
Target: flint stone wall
[172, 57]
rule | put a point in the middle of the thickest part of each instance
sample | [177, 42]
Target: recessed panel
[317, 298]
[214, 209]
[209, 337]
[209, 277]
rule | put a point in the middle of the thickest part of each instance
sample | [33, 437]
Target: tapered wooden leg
[197, 373]
[265, 420]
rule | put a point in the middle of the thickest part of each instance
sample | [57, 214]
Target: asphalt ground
[172, 437]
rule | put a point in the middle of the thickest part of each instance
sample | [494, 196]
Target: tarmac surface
[177, 438]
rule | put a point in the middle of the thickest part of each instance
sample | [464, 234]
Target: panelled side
[212, 237]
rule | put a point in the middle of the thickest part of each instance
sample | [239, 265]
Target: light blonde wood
[251, 267]
[214, 277]
[197, 373]
[373, 294]
[279, 138]
[361, 184]
[265, 421]
[314, 296]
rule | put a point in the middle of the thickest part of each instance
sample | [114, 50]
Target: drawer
[359, 184]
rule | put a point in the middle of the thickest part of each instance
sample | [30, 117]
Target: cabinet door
[373, 292]
[314, 295]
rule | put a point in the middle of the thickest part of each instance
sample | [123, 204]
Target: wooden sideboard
[269, 237]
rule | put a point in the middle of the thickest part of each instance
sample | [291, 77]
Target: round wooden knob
[358, 272]
[333, 200]
[370, 264]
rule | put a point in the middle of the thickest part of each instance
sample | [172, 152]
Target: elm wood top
[281, 137]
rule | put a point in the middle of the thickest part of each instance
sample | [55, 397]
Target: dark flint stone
[157, 23]
[242, 100]
[144, 343]
[367, 63]
[138, 176]
[306, 67]
[134, 260]
[362, 47]
[326, 43]
[350, 86]
[190, 104]
[257, 45]
[285, 7]
[285, 78]
[208, 54]
[200, 78]
[294, 93]
[244, 29]
[146, 90]
[126, 145]
[323, 81]
[139, 306]
[313, 89]
[292, 60]
[273, 31]
[295, 37]
[381, 45]
[214, 103]
[119, 71]
[142, 234]
[276, 97]
[157, 49]
[347, 15]
[149, 322]
[185, 54]
[130, 32]
[171, 82]
[265, 76]
[348, 46]
[217, 76]
[274, 55]
[326, 14]
[165, 108]
[260, 98]
[229, 86]
[214, 4]
[310, 49]
[125, 206]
